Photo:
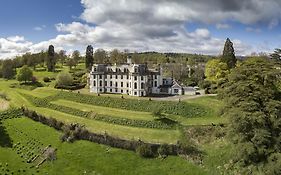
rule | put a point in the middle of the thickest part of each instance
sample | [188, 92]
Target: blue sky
[20, 17]
[139, 25]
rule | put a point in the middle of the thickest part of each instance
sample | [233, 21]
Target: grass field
[106, 110]
[84, 157]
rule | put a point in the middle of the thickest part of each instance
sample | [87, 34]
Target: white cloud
[255, 30]
[273, 23]
[15, 38]
[160, 25]
[39, 28]
[13, 46]
[223, 26]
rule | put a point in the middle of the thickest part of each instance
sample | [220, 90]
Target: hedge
[84, 134]
[105, 118]
[168, 107]
[10, 113]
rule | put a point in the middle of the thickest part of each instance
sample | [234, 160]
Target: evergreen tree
[228, 55]
[254, 110]
[89, 59]
[51, 62]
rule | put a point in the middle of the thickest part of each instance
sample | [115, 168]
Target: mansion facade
[131, 79]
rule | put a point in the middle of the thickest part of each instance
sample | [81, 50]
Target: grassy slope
[145, 134]
[90, 158]
[4, 104]
[106, 110]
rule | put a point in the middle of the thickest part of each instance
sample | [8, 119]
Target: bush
[64, 79]
[46, 79]
[144, 150]
[25, 74]
[4, 96]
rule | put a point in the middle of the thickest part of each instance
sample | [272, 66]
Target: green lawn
[106, 110]
[125, 132]
[83, 157]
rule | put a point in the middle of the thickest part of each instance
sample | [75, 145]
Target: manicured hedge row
[105, 118]
[105, 139]
[10, 113]
[178, 108]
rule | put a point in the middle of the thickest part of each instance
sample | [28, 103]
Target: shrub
[46, 79]
[145, 150]
[25, 74]
[4, 96]
[64, 79]
[157, 113]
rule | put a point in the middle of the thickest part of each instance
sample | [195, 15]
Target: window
[127, 91]
[110, 83]
[155, 83]
[142, 94]
[110, 90]
[136, 77]
[121, 76]
[141, 77]
[116, 76]
[127, 77]
[176, 91]
[155, 77]
[127, 84]
[94, 76]
[135, 93]
[100, 90]
[110, 76]
[121, 90]
[100, 83]
[130, 85]
[121, 84]
[95, 69]
[116, 84]
[116, 90]
[105, 83]
[136, 69]
[94, 83]
[142, 85]
[100, 76]
[135, 86]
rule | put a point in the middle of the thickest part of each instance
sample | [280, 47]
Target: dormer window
[95, 69]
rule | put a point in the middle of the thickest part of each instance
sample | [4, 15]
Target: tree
[116, 57]
[71, 62]
[62, 56]
[253, 107]
[51, 62]
[8, 71]
[228, 55]
[216, 70]
[25, 74]
[276, 55]
[76, 56]
[64, 79]
[89, 59]
[100, 56]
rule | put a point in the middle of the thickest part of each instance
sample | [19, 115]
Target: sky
[189, 26]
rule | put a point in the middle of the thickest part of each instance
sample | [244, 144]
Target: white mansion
[131, 79]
